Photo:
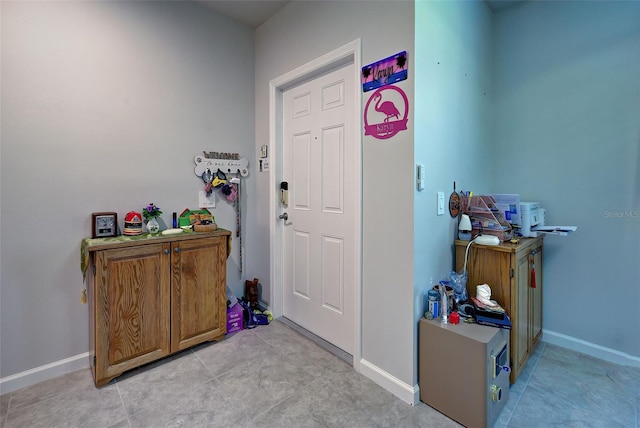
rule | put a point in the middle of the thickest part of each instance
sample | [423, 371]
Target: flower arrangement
[151, 211]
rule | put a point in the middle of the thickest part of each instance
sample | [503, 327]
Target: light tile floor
[272, 376]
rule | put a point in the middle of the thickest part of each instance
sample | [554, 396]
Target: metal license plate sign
[385, 72]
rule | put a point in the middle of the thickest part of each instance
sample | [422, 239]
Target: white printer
[528, 217]
[531, 216]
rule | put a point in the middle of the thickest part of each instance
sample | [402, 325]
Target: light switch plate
[440, 203]
[420, 179]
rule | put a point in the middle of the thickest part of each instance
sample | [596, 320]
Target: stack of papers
[555, 230]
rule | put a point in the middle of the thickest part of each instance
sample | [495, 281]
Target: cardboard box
[234, 318]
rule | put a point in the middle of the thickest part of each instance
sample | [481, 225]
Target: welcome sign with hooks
[229, 163]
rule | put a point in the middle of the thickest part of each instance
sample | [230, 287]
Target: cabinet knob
[166, 251]
[176, 250]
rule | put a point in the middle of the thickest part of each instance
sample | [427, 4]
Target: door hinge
[511, 273]
[93, 268]
[94, 360]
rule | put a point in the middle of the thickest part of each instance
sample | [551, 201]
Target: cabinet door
[520, 321]
[535, 298]
[198, 291]
[131, 308]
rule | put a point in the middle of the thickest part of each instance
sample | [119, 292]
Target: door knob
[284, 216]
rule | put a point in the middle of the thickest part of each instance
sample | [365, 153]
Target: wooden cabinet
[514, 273]
[152, 297]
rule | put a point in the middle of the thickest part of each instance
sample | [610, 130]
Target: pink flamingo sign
[386, 112]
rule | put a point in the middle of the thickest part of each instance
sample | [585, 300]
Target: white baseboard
[589, 348]
[405, 392]
[42, 373]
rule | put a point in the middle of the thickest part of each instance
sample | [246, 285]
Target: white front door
[319, 242]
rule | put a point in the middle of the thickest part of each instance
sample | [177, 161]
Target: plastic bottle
[434, 308]
[444, 310]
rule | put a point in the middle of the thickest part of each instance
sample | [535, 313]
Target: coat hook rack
[207, 166]
[229, 163]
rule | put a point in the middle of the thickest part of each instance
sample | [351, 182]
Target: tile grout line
[637, 400]
[268, 343]
[526, 385]
[213, 377]
[253, 332]
[126, 413]
[160, 363]
[6, 416]
[284, 399]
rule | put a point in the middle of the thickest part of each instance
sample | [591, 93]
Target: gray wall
[567, 134]
[104, 106]
[452, 128]
[304, 31]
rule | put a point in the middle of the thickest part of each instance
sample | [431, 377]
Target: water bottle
[433, 296]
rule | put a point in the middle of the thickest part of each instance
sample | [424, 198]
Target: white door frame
[343, 55]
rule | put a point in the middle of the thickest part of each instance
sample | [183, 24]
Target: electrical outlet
[206, 201]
